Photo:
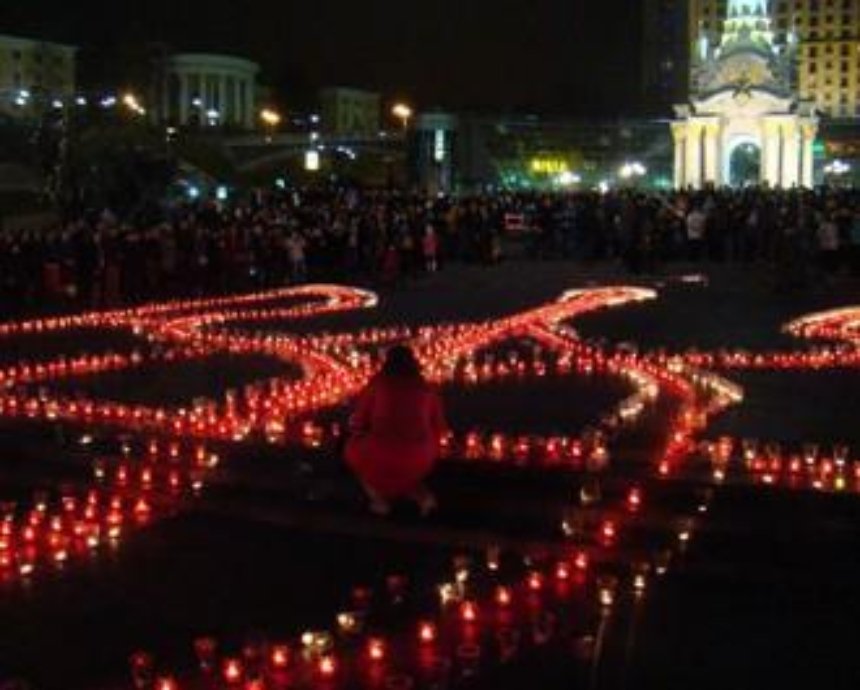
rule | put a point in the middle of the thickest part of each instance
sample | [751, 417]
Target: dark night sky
[576, 57]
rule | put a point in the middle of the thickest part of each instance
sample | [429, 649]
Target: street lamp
[632, 171]
[568, 178]
[312, 160]
[270, 118]
[837, 170]
[131, 102]
[403, 113]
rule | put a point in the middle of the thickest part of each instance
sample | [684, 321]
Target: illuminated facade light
[549, 166]
[312, 160]
[568, 178]
[439, 145]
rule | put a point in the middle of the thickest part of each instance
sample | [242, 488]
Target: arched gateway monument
[744, 123]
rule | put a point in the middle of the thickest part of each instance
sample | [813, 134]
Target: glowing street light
[22, 98]
[270, 118]
[312, 160]
[403, 113]
[568, 178]
[837, 168]
[632, 170]
[131, 102]
[837, 172]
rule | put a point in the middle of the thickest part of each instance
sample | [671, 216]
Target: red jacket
[396, 426]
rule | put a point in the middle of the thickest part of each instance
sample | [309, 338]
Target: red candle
[608, 531]
[376, 649]
[279, 657]
[469, 611]
[427, 632]
[327, 666]
[535, 581]
[232, 671]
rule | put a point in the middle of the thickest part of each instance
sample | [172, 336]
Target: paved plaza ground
[764, 595]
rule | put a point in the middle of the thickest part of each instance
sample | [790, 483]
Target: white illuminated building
[744, 123]
[210, 90]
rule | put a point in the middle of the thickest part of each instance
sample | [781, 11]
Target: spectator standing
[430, 248]
[697, 223]
[296, 246]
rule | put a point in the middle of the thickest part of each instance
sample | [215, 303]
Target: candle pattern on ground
[484, 614]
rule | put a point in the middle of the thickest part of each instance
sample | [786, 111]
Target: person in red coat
[396, 429]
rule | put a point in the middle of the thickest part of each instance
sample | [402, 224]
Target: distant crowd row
[273, 238]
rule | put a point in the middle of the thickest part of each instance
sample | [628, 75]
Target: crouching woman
[395, 430]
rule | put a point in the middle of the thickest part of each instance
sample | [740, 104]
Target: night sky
[574, 57]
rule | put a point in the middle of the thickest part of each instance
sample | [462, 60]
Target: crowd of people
[278, 237]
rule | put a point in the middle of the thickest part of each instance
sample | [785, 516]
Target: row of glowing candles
[335, 298]
[122, 493]
[141, 508]
[479, 618]
[446, 345]
[589, 451]
[483, 617]
[316, 648]
[465, 340]
[839, 327]
[444, 353]
[327, 381]
[140, 505]
[770, 463]
[498, 444]
[155, 322]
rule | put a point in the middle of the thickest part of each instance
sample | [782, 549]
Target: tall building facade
[34, 74]
[827, 33]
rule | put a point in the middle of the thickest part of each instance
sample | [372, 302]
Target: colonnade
[703, 145]
[203, 85]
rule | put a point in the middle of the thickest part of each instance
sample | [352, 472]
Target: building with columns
[210, 90]
[744, 123]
